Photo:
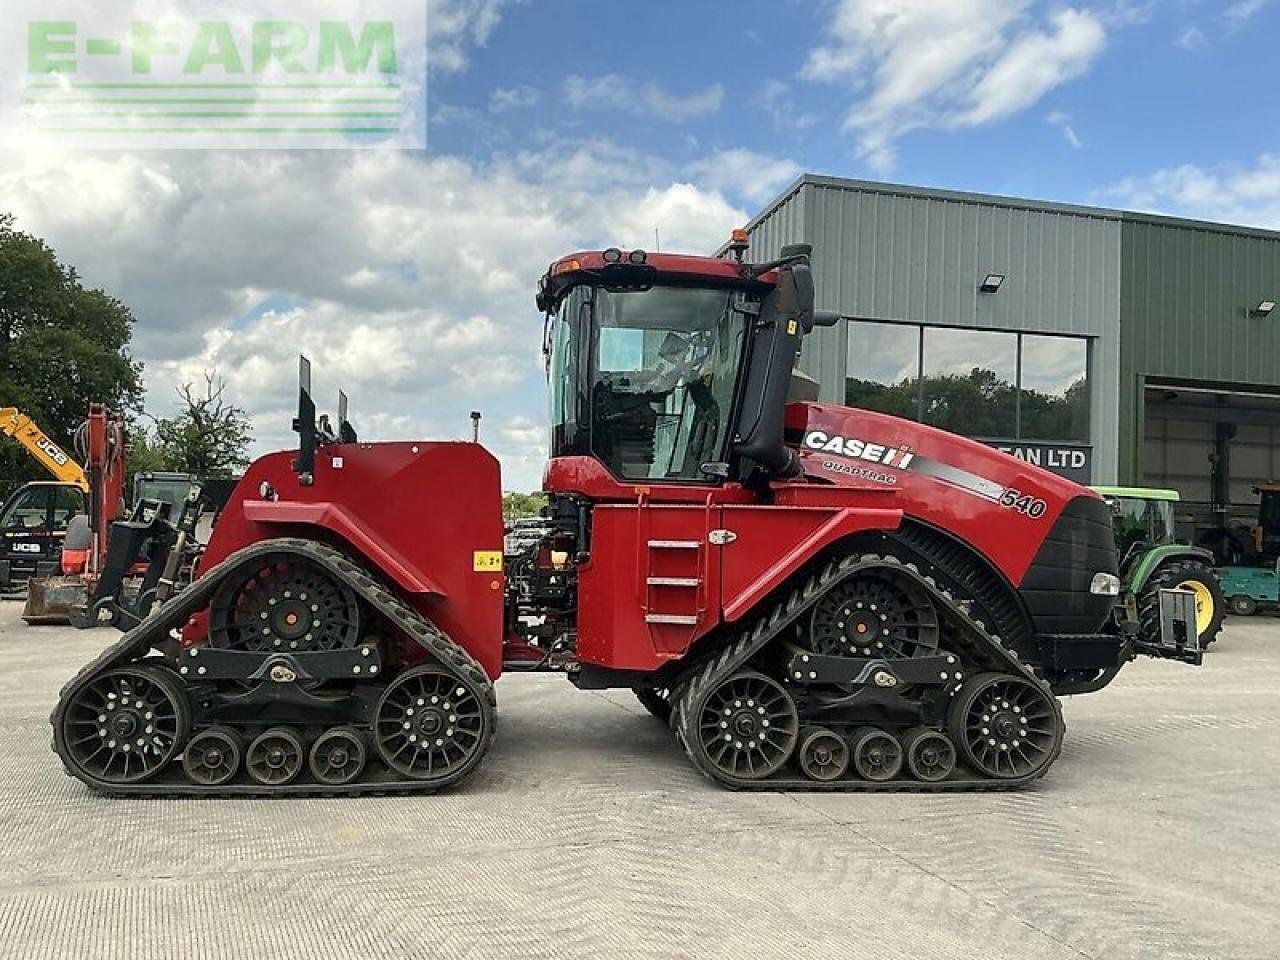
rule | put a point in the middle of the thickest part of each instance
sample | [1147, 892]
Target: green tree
[62, 346]
[210, 437]
[517, 505]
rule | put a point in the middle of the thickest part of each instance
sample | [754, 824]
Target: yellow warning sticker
[487, 561]
[791, 328]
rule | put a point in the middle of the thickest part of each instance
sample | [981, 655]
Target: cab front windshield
[654, 397]
[1138, 521]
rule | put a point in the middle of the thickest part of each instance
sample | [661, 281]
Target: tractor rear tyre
[1195, 576]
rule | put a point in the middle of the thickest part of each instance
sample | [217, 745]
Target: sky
[408, 276]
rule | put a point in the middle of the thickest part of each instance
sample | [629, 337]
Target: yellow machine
[57, 461]
[34, 519]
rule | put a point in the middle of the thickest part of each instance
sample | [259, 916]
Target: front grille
[1056, 585]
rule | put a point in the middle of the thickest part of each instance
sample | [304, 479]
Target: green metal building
[1110, 346]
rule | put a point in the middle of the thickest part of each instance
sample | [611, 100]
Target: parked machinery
[815, 597]
[1152, 560]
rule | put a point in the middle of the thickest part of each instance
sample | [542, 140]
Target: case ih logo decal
[901, 458]
[857, 449]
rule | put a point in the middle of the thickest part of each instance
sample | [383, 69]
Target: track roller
[275, 757]
[1005, 726]
[877, 755]
[745, 726]
[337, 756]
[213, 756]
[429, 726]
[125, 725]
[931, 757]
[823, 754]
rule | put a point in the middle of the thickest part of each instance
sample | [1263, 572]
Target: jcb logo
[51, 450]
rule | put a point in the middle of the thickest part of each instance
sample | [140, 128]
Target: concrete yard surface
[586, 834]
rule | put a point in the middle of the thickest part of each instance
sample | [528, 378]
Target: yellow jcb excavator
[34, 519]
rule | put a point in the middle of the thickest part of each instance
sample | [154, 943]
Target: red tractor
[814, 597]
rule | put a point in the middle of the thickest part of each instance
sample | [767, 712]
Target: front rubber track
[788, 611]
[154, 632]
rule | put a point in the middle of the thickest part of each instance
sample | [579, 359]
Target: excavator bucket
[55, 600]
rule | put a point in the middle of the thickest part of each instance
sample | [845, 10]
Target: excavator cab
[33, 523]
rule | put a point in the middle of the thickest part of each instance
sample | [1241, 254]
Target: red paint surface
[415, 512]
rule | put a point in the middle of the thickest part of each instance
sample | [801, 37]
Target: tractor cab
[673, 369]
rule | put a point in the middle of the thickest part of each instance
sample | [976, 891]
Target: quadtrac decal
[868, 455]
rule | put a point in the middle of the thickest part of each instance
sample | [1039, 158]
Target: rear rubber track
[154, 632]
[786, 612]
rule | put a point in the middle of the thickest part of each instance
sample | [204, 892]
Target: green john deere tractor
[1152, 559]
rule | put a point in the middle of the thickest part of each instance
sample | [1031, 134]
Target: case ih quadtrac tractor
[814, 597]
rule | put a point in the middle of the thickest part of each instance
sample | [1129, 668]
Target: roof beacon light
[638, 256]
[612, 255]
[1265, 308]
[739, 241]
[991, 283]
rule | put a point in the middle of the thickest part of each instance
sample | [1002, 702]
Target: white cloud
[1063, 122]
[409, 280]
[514, 98]
[752, 176]
[1244, 194]
[1192, 38]
[945, 64]
[455, 25]
[1240, 12]
[775, 98]
[613, 91]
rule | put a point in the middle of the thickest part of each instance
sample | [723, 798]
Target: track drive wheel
[213, 756]
[337, 756]
[876, 613]
[877, 755]
[657, 700]
[1197, 577]
[125, 725]
[1005, 726]
[930, 755]
[823, 754]
[746, 726]
[275, 757]
[430, 726]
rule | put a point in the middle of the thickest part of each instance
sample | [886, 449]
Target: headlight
[1105, 585]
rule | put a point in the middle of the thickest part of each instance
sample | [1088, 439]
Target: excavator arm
[38, 443]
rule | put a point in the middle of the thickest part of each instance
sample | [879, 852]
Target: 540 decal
[1033, 507]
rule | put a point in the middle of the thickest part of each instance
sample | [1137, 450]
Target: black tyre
[338, 756]
[930, 755]
[1243, 606]
[1005, 727]
[657, 700]
[745, 726]
[275, 757]
[213, 756]
[877, 755]
[125, 725]
[1196, 576]
[823, 754]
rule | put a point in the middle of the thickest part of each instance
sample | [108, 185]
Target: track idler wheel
[877, 755]
[125, 725]
[275, 757]
[1005, 726]
[746, 726]
[213, 756]
[430, 726]
[931, 757]
[823, 754]
[338, 756]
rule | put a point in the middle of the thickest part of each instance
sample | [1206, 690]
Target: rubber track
[154, 631]
[785, 613]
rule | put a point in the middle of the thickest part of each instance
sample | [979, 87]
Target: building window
[980, 383]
